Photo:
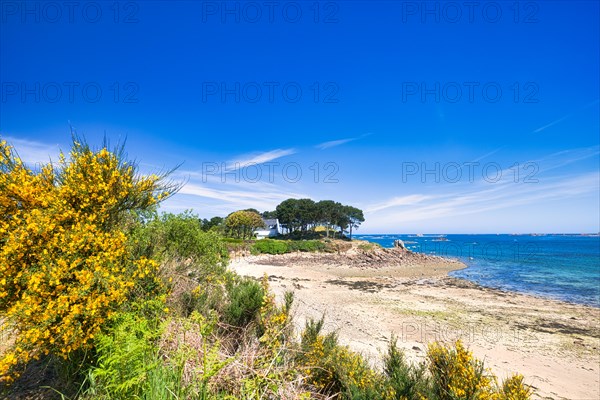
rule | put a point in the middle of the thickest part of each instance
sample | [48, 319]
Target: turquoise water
[564, 267]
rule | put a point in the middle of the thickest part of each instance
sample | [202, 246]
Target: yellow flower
[65, 224]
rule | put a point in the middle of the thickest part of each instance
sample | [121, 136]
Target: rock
[400, 243]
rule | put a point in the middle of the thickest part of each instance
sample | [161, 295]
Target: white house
[272, 228]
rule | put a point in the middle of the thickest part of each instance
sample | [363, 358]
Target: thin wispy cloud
[567, 157]
[558, 121]
[533, 169]
[334, 143]
[488, 154]
[561, 119]
[339, 142]
[34, 152]
[398, 201]
[224, 191]
[455, 204]
[482, 197]
[224, 201]
[259, 158]
[231, 178]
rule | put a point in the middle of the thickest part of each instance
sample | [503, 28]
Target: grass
[368, 247]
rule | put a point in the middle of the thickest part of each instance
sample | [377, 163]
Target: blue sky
[433, 117]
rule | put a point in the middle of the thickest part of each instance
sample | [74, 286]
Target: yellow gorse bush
[64, 265]
[273, 319]
[514, 388]
[335, 367]
[459, 375]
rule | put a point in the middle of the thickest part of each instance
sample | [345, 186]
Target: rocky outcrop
[375, 257]
[399, 243]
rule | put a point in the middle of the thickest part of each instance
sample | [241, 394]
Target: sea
[559, 266]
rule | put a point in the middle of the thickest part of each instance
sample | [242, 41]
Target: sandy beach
[370, 295]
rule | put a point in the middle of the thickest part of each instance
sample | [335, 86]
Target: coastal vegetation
[241, 224]
[104, 298]
[299, 219]
[301, 216]
[269, 246]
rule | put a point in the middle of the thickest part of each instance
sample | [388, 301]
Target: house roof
[271, 221]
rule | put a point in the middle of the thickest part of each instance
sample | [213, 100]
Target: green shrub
[180, 238]
[241, 246]
[267, 246]
[245, 300]
[203, 298]
[306, 245]
[270, 246]
[370, 392]
[406, 380]
[333, 369]
[233, 240]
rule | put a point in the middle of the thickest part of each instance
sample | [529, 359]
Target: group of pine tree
[298, 217]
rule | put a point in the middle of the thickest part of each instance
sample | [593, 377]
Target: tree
[214, 222]
[297, 214]
[306, 214]
[324, 211]
[269, 214]
[340, 218]
[286, 213]
[355, 217]
[254, 210]
[242, 224]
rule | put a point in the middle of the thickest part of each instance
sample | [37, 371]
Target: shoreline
[523, 293]
[506, 254]
[553, 343]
